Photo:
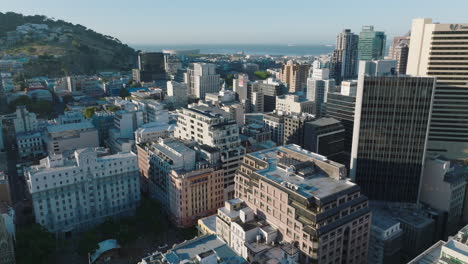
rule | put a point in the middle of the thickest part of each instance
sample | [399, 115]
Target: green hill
[64, 48]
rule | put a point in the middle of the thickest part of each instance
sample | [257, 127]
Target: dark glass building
[390, 132]
[151, 67]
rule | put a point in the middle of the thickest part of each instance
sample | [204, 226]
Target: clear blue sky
[240, 21]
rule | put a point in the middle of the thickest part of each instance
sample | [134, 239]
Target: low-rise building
[293, 104]
[30, 145]
[69, 137]
[455, 250]
[79, 191]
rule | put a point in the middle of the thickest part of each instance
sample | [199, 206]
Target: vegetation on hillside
[84, 52]
[262, 74]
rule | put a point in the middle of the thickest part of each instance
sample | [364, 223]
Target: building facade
[371, 44]
[391, 125]
[344, 60]
[201, 78]
[69, 137]
[308, 199]
[77, 192]
[439, 50]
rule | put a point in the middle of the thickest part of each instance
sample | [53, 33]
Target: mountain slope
[61, 47]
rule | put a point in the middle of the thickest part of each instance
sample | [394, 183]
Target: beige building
[310, 201]
[440, 50]
[186, 184]
[69, 137]
[216, 129]
[292, 104]
[295, 75]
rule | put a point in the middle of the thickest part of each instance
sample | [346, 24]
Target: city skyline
[259, 22]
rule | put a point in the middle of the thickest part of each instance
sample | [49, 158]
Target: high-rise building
[275, 123]
[399, 51]
[325, 136]
[178, 93]
[201, 78]
[24, 121]
[318, 86]
[344, 59]
[294, 128]
[371, 44]
[341, 107]
[186, 184]
[241, 86]
[311, 202]
[391, 124]
[267, 90]
[218, 132]
[172, 64]
[439, 50]
[151, 67]
[294, 74]
[77, 192]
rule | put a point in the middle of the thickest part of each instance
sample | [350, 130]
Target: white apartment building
[440, 50]
[444, 187]
[318, 86]
[292, 104]
[153, 131]
[24, 120]
[30, 145]
[215, 128]
[80, 191]
[201, 78]
[126, 122]
[73, 136]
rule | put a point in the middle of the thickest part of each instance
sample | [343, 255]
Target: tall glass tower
[371, 44]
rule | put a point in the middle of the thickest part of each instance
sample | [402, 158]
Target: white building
[30, 145]
[223, 96]
[443, 188]
[83, 190]
[439, 50]
[153, 131]
[293, 104]
[178, 93]
[201, 78]
[24, 121]
[318, 86]
[349, 88]
[126, 122]
[215, 128]
[73, 136]
[69, 117]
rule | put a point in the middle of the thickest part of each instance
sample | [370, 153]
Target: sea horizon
[251, 49]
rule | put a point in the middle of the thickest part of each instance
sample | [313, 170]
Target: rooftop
[68, 127]
[305, 177]
[190, 249]
[211, 112]
[325, 121]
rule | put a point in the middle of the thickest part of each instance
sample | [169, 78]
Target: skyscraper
[345, 57]
[294, 74]
[391, 126]
[399, 51]
[371, 44]
[151, 67]
[201, 78]
[318, 85]
[441, 50]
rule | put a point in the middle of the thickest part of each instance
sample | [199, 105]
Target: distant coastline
[251, 49]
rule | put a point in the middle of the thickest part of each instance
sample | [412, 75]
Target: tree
[229, 80]
[88, 242]
[124, 92]
[89, 111]
[262, 74]
[34, 244]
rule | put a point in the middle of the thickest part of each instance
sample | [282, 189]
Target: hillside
[61, 47]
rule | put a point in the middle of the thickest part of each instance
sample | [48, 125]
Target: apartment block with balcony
[310, 201]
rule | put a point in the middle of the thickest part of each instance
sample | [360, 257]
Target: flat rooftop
[190, 249]
[68, 127]
[212, 112]
[316, 183]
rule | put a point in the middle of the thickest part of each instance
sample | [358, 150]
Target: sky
[240, 21]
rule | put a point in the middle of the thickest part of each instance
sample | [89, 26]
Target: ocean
[251, 49]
